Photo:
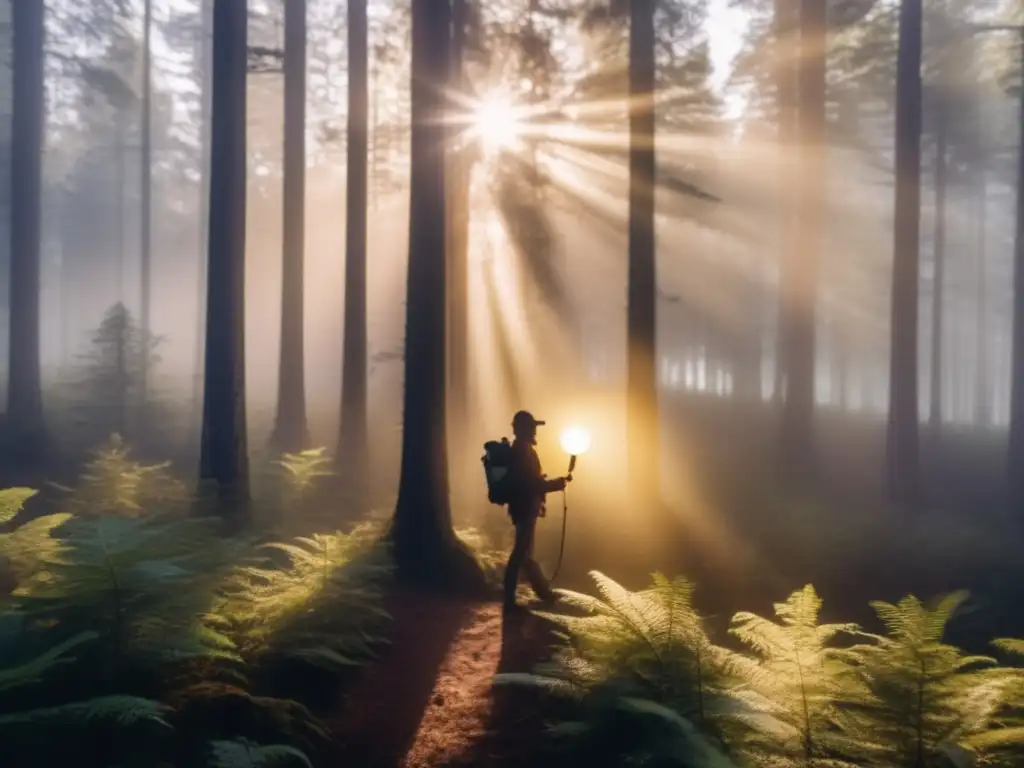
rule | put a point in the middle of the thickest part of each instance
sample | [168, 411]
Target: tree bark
[983, 374]
[939, 280]
[224, 459]
[202, 204]
[1015, 453]
[28, 435]
[904, 470]
[146, 212]
[352, 455]
[642, 434]
[291, 433]
[799, 281]
[425, 548]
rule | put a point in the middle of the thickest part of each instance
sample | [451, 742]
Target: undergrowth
[648, 686]
[186, 630]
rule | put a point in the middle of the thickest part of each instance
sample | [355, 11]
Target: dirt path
[428, 700]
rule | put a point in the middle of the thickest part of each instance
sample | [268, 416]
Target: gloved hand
[568, 479]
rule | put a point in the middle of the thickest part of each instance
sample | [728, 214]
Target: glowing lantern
[575, 442]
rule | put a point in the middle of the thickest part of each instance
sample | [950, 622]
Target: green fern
[12, 500]
[122, 711]
[302, 471]
[928, 701]
[29, 545]
[794, 681]
[320, 602]
[112, 483]
[144, 585]
[33, 670]
[1003, 742]
[642, 671]
[242, 753]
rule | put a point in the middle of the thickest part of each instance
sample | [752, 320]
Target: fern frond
[122, 711]
[242, 753]
[12, 500]
[34, 669]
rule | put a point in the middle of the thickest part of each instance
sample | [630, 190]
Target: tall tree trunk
[1015, 453]
[786, 101]
[983, 374]
[642, 438]
[291, 433]
[224, 459]
[24, 393]
[458, 183]
[904, 469]
[203, 202]
[799, 281]
[939, 281]
[353, 440]
[146, 214]
[426, 550]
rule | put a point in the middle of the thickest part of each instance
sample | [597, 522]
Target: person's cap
[525, 419]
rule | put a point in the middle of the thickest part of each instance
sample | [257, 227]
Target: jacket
[528, 483]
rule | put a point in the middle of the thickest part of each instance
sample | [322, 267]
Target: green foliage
[245, 754]
[122, 711]
[316, 599]
[34, 669]
[113, 483]
[642, 667]
[794, 680]
[925, 699]
[143, 585]
[11, 502]
[647, 685]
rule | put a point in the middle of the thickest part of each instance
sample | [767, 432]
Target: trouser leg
[516, 560]
[533, 570]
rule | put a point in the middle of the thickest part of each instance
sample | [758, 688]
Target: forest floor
[428, 699]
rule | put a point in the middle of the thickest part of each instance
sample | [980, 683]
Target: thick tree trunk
[224, 459]
[146, 212]
[291, 433]
[458, 266]
[426, 550]
[28, 436]
[1015, 453]
[799, 281]
[352, 455]
[939, 282]
[642, 434]
[904, 470]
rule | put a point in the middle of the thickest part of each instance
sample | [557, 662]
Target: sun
[496, 123]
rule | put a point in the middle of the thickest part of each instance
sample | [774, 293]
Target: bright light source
[496, 124]
[575, 441]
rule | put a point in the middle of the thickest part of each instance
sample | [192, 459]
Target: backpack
[497, 460]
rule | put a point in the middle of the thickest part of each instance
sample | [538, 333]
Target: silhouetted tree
[290, 430]
[799, 278]
[224, 456]
[1016, 449]
[644, 483]
[426, 549]
[146, 192]
[939, 277]
[24, 393]
[352, 454]
[904, 470]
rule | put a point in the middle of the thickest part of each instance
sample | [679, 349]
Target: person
[528, 487]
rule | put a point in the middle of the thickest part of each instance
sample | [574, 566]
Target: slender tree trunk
[642, 441]
[24, 392]
[291, 433]
[224, 459]
[786, 99]
[120, 179]
[353, 441]
[146, 214]
[202, 204]
[799, 282]
[939, 280]
[983, 374]
[1016, 445]
[904, 469]
[426, 550]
